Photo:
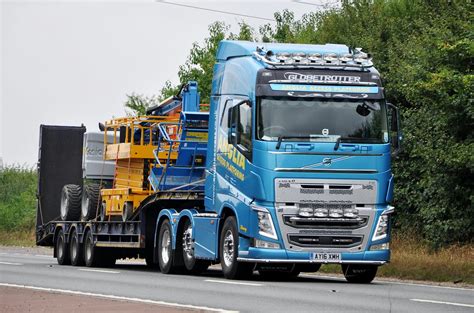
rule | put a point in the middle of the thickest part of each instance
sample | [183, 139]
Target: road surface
[133, 282]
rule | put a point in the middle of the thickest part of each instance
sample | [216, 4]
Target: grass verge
[23, 238]
[413, 260]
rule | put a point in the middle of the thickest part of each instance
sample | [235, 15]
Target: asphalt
[132, 281]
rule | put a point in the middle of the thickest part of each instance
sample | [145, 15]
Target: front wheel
[358, 273]
[229, 250]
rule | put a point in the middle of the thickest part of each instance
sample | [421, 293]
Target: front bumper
[260, 255]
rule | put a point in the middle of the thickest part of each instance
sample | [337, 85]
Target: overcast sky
[70, 62]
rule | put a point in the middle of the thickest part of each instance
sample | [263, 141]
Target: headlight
[382, 227]
[351, 213]
[305, 211]
[335, 213]
[321, 212]
[382, 246]
[265, 223]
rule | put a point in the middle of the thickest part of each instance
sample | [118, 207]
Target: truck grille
[317, 222]
[325, 241]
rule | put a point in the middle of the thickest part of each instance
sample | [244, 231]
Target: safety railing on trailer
[136, 130]
[167, 143]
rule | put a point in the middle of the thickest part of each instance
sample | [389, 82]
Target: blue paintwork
[234, 183]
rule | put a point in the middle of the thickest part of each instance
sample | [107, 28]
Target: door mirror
[394, 128]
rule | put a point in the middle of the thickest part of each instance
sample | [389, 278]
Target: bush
[17, 198]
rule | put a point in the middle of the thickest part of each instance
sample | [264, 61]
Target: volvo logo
[327, 161]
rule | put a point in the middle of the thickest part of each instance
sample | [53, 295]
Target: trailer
[289, 168]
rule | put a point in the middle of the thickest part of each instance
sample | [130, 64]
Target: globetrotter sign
[319, 77]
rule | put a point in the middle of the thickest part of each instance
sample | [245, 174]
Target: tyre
[228, 251]
[62, 249]
[165, 248]
[192, 265]
[358, 273]
[71, 199]
[75, 249]
[102, 209]
[127, 211]
[90, 202]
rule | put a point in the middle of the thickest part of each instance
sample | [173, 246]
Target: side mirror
[101, 127]
[394, 128]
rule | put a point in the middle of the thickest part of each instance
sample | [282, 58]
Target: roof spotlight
[361, 57]
[347, 57]
[282, 57]
[330, 57]
[299, 56]
[315, 57]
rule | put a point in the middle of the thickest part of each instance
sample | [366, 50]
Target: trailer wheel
[90, 202]
[191, 264]
[359, 273]
[91, 253]
[165, 248]
[71, 202]
[228, 251]
[75, 249]
[62, 250]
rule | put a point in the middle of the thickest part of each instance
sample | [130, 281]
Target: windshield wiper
[280, 138]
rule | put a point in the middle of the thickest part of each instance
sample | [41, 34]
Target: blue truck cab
[297, 165]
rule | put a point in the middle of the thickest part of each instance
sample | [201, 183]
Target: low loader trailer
[287, 169]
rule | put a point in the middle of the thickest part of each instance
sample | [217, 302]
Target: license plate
[325, 257]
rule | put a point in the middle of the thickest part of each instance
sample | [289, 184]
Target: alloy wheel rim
[187, 242]
[228, 249]
[165, 246]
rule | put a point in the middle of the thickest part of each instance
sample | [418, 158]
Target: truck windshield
[323, 120]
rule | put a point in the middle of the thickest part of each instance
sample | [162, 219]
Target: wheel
[165, 248]
[127, 211]
[357, 273]
[94, 256]
[62, 250]
[228, 251]
[102, 208]
[90, 202]
[75, 249]
[191, 264]
[71, 202]
[279, 272]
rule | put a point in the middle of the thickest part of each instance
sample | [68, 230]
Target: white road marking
[10, 263]
[389, 282]
[112, 297]
[231, 282]
[424, 285]
[444, 302]
[97, 271]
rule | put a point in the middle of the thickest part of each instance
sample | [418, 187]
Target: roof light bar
[357, 59]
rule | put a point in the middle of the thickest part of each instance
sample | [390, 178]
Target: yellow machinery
[132, 149]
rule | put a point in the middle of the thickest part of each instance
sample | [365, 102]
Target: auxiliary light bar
[356, 59]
